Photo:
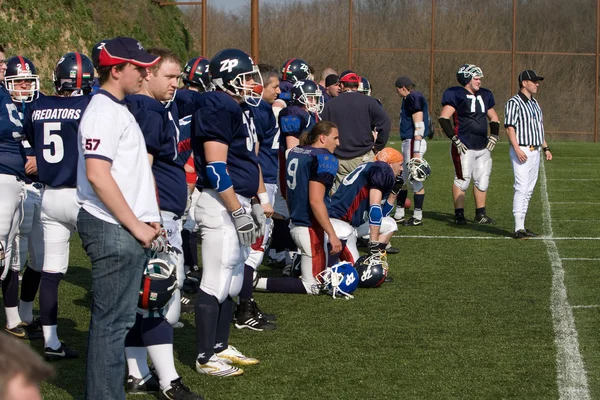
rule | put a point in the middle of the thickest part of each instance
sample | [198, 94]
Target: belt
[37, 185]
[531, 148]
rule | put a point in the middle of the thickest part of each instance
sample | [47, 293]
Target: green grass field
[470, 314]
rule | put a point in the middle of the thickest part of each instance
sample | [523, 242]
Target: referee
[524, 125]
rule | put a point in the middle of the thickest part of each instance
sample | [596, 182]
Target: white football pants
[526, 175]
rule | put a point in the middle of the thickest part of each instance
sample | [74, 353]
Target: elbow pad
[217, 175]
[495, 128]
[375, 215]
[446, 127]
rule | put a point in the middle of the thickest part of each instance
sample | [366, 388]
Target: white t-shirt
[108, 131]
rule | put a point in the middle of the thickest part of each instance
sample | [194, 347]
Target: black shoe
[531, 234]
[18, 331]
[34, 329]
[247, 318]
[62, 353]
[400, 221]
[483, 219]
[148, 384]
[413, 222]
[187, 305]
[178, 391]
[262, 315]
[360, 242]
[392, 250]
[460, 219]
[521, 234]
[191, 286]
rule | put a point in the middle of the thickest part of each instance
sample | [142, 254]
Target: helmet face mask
[306, 93]
[467, 72]
[418, 169]
[21, 79]
[234, 72]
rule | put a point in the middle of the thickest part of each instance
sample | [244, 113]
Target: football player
[311, 169]
[414, 129]
[357, 204]
[293, 70]
[195, 81]
[248, 314]
[57, 118]
[470, 106]
[223, 141]
[12, 177]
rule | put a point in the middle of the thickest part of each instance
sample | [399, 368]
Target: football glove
[460, 146]
[398, 184]
[245, 227]
[161, 243]
[258, 213]
[491, 142]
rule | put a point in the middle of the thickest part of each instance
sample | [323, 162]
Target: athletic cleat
[413, 222]
[231, 355]
[187, 305]
[62, 353]
[18, 331]
[483, 219]
[178, 391]
[401, 220]
[217, 367]
[34, 329]
[265, 316]
[147, 384]
[392, 250]
[531, 234]
[248, 317]
[460, 219]
[521, 234]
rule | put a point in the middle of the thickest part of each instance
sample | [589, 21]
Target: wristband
[546, 149]
[263, 198]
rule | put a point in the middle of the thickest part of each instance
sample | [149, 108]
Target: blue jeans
[118, 260]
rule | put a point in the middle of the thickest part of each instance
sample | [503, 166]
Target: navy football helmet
[195, 73]
[74, 72]
[294, 70]
[372, 271]
[418, 169]
[468, 72]
[340, 279]
[307, 93]
[159, 281]
[364, 86]
[231, 69]
[20, 69]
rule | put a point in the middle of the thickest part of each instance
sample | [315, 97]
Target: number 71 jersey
[51, 124]
[470, 117]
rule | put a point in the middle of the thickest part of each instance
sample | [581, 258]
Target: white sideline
[576, 202]
[580, 259]
[579, 179]
[491, 237]
[571, 374]
[589, 306]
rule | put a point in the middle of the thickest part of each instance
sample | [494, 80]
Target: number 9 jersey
[470, 116]
[51, 125]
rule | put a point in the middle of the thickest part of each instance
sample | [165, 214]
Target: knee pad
[416, 186]
[481, 175]
[462, 184]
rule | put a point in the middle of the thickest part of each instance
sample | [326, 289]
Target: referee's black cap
[530, 75]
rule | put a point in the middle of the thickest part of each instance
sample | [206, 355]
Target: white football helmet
[418, 169]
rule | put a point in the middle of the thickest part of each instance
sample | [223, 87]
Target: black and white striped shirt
[525, 116]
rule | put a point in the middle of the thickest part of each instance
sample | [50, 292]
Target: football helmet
[231, 69]
[340, 279]
[307, 93]
[20, 69]
[372, 271]
[294, 70]
[195, 73]
[468, 72]
[418, 169]
[159, 281]
[364, 86]
[74, 72]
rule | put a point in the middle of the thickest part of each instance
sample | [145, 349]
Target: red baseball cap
[124, 49]
[350, 78]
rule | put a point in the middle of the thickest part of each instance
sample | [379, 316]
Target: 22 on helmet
[294, 70]
[307, 93]
[19, 71]
[234, 72]
[74, 72]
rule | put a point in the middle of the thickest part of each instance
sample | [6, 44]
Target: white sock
[50, 336]
[174, 308]
[162, 358]
[137, 361]
[418, 214]
[519, 222]
[399, 213]
[12, 317]
[262, 284]
[26, 311]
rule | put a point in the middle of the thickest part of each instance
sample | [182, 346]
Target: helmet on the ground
[340, 279]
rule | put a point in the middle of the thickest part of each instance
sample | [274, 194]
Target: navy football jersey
[184, 147]
[470, 117]
[161, 133]
[286, 89]
[12, 154]
[221, 119]
[413, 103]
[267, 132]
[305, 164]
[187, 102]
[350, 202]
[51, 125]
[293, 121]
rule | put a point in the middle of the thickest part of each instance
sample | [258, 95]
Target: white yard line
[580, 259]
[589, 306]
[571, 374]
[570, 179]
[576, 202]
[491, 237]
